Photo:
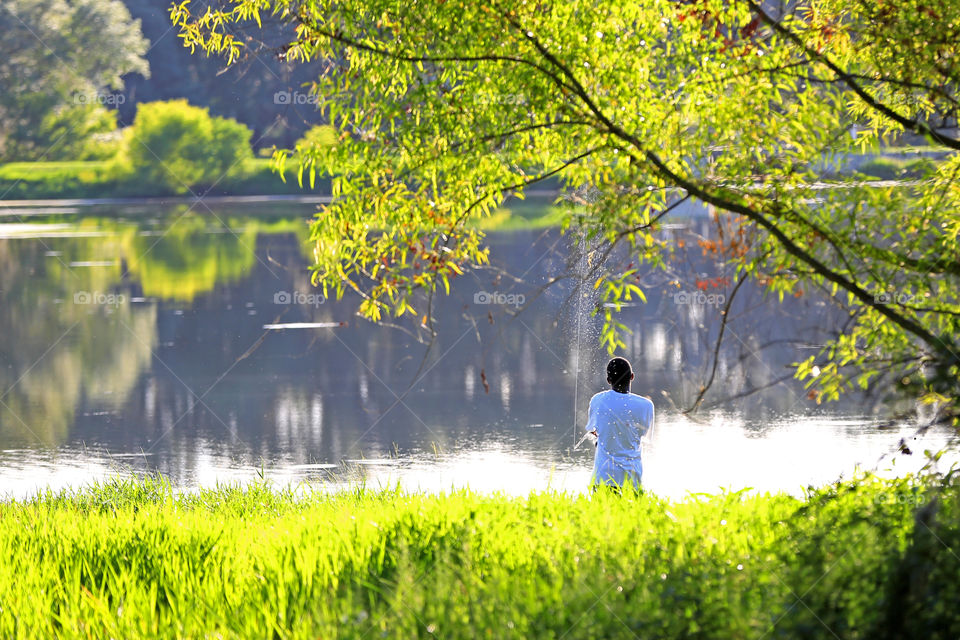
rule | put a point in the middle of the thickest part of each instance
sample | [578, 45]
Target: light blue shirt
[620, 420]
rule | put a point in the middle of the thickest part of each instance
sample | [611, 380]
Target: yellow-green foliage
[132, 559]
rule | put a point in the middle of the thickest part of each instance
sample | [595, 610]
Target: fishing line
[576, 379]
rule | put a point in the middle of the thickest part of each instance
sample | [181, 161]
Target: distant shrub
[886, 168]
[259, 176]
[321, 135]
[230, 148]
[178, 147]
[103, 146]
[882, 168]
[306, 153]
[919, 168]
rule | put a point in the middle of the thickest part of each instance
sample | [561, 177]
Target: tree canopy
[56, 57]
[445, 108]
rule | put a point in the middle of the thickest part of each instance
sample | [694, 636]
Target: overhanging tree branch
[908, 123]
[733, 206]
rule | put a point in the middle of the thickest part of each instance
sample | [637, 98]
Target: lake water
[132, 340]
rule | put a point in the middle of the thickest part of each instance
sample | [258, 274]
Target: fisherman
[618, 419]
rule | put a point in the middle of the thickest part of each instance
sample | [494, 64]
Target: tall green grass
[128, 559]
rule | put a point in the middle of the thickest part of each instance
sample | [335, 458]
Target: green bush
[321, 135]
[919, 168]
[893, 168]
[882, 168]
[260, 177]
[103, 146]
[181, 148]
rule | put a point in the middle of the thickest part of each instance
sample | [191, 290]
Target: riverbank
[871, 559]
[536, 212]
[99, 179]
[102, 179]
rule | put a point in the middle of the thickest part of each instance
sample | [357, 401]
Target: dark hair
[619, 372]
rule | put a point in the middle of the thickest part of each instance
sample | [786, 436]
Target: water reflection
[58, 352]
[164, 366]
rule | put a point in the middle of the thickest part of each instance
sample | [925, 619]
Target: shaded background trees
[72, 72]
[56, 58]
[245, 92]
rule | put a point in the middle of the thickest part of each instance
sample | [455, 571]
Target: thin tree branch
[716, 348]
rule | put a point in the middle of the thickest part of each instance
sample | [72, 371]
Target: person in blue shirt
[618, 419]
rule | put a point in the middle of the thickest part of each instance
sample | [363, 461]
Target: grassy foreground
[870, 559]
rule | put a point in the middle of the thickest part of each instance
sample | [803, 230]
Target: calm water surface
[133, 341]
